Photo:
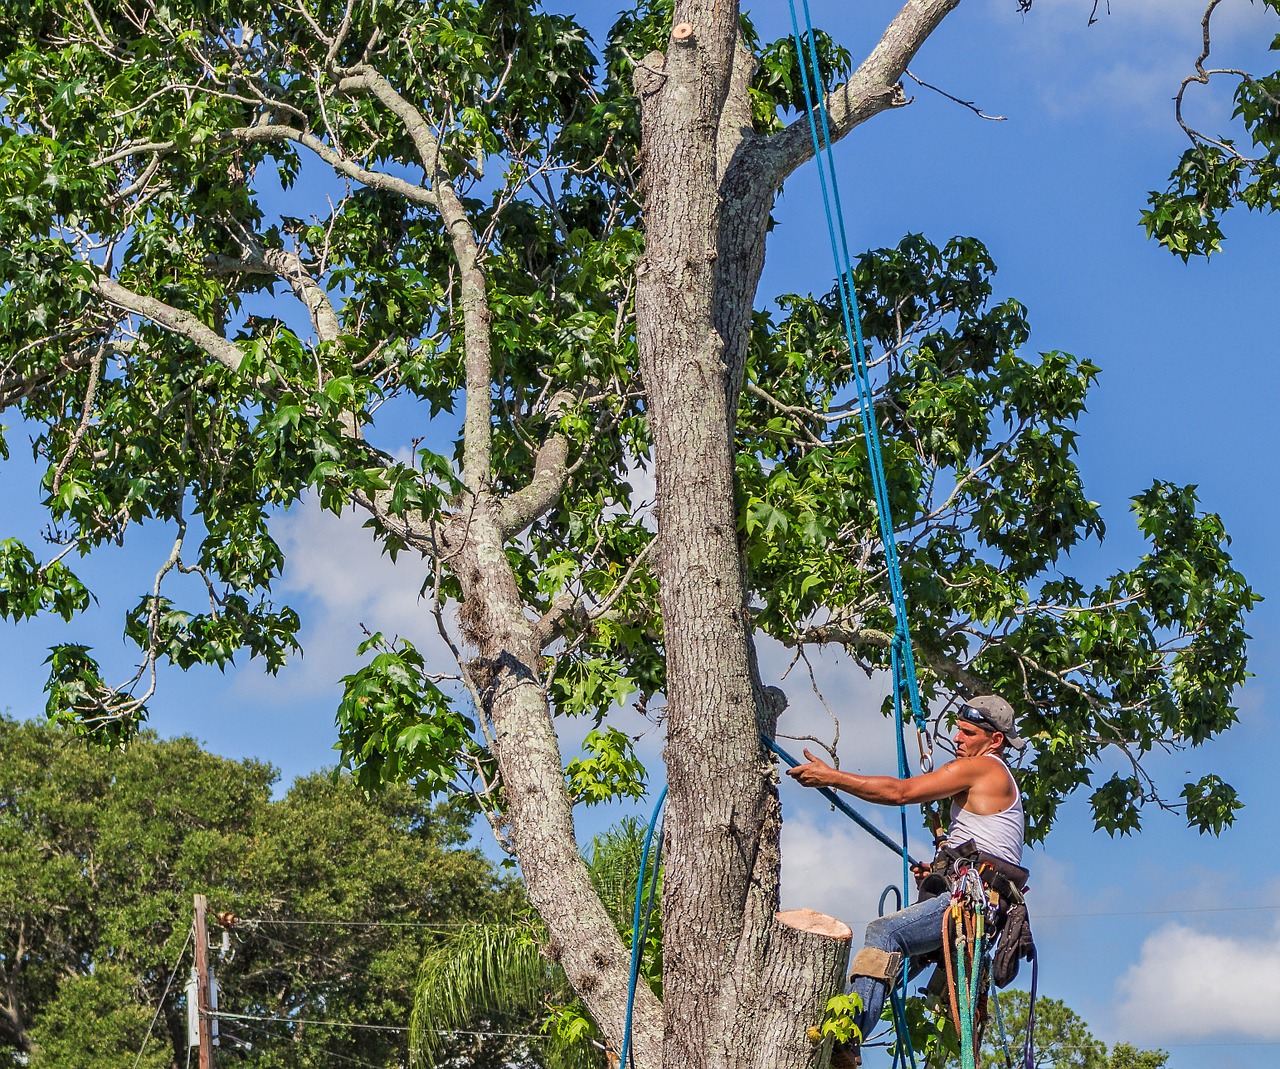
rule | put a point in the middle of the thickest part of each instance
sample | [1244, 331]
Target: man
[986, 807]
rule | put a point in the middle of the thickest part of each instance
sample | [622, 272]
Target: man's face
[974, 741]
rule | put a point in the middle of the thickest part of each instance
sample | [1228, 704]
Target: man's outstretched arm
[945, 782]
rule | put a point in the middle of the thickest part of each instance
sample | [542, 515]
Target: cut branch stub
[682, 31]
[807, 955]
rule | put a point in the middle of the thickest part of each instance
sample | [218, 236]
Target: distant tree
[1221, 169]
[1127, 1056]
[1062, 1039]
[97, 1020]
[102, 856]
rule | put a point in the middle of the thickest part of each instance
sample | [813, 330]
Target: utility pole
[204, 1022]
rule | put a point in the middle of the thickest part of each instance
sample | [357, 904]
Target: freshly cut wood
[807, 955]
[810, 920]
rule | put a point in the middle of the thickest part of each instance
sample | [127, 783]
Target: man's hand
[817, 773]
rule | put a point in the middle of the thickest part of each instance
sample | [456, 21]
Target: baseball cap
[995, 714]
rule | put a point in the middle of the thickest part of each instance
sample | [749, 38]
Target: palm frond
[613, 860]
[485, 968]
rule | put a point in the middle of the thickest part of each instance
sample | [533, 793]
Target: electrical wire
[160, 1006]
[260, 1030]
[1156, 912]
[312, 1021]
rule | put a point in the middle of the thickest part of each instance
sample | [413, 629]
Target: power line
[1230, 1043]
[310, 1020]
[328, 1053]
[160, 1006]
[1156, 912]
[375, 1027]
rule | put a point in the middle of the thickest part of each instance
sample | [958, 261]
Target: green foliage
[97, 1021]
[1219, 172]
[103, 852]
[612, 771]
[837, 1018]
[979, 442]
[191, 357]
[483, 970]
[395, 725]
[27, 588]
[1127, 1056]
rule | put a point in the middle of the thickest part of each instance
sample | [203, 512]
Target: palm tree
[498, 971]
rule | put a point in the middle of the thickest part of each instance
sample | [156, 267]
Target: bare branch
[874, 87]
[955, 99]
[477, 422]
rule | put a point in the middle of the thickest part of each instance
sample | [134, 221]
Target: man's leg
[911, 931]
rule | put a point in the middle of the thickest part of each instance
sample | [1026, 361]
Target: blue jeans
[911, 931]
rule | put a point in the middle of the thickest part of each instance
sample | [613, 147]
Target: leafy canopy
[239, 252]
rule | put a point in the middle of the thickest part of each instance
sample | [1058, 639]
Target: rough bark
[709, 183]
[809, 952]
[513, 697]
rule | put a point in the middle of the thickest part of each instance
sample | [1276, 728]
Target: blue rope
[903, 659]
[841, 804]
[904, 1050]
[637, 948]
[902, 656]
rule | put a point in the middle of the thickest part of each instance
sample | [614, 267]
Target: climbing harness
[963, 935]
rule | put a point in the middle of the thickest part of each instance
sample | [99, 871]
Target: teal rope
[993, 1000]
[637, 941]
[902, 656]
[904, 1053]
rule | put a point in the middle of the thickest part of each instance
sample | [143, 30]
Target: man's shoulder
[976, 768]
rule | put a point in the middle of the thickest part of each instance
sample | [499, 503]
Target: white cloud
[832, 866]
[1132, 59]
[1189, 985]
[866, 738]
[340, 582]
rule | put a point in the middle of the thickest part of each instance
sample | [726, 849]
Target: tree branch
[477, 422]
[550, 473]
[176, 320]
[289, 267]
[874, 87]
[415, 194]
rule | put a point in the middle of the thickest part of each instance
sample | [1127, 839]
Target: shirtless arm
[946, 782]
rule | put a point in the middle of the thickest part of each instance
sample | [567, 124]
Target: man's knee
[882, 934]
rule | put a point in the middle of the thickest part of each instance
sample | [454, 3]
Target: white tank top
[999, 834]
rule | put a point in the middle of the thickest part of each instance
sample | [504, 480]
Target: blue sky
[1168, 938]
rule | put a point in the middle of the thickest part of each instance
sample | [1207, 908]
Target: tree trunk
[703, 255]
[513, 696]
[810, 952]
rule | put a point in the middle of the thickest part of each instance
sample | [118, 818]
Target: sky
[1167, 938]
